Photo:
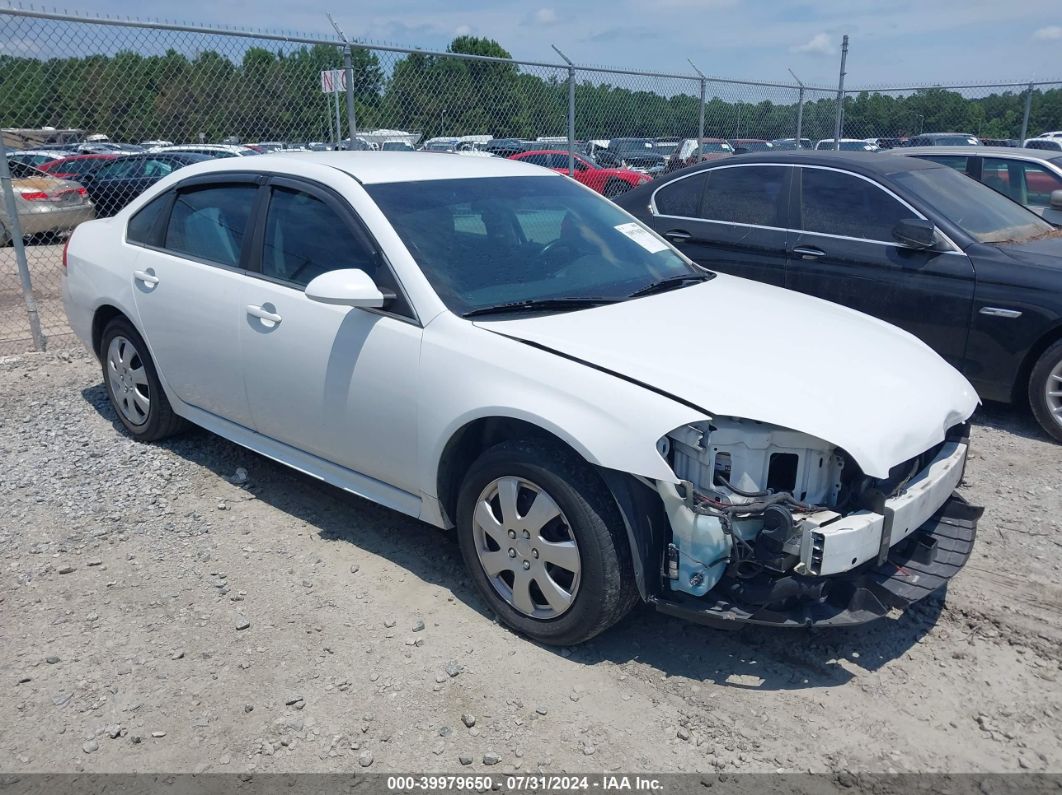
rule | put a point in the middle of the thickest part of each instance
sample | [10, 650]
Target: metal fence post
[352, 120]
[700, 120]
[840, 96]
[571, 111]
[800, 108]
[1028, 111]
[15, 231]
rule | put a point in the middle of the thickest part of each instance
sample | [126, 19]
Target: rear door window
[209, 223]
[958, 162]
[836, 203]
[745, 195]
[682, 198]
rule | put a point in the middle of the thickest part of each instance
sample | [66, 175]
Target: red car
[75, 166]
[606, 181]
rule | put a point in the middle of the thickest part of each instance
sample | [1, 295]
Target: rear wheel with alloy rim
[133, 383]
[544, 542]
[1045, 390]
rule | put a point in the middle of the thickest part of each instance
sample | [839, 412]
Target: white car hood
[734, 347]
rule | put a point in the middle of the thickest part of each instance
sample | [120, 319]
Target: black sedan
[973, 274]
[119, 182]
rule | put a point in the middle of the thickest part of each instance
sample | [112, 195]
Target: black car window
[745, 195]
[683, 196]
[836, 203]
[209, 222]
[121, 168]
[304, 238]
[143, 226]
[23, 171]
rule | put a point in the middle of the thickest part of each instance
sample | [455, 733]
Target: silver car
[1031, 177]
[44, 203]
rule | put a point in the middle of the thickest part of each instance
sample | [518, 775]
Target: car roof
[859, 162]
[371, 168]
[1005, 151]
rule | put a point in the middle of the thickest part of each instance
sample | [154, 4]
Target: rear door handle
[809, 252]
[146, 278]
[264, 314]
[678, 236]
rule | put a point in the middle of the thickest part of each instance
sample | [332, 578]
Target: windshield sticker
[642, 237]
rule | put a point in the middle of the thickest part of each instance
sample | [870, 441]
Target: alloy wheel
[526, 547]
[1053, 393]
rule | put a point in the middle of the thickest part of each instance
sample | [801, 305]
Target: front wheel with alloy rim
[133, 385]
[1045, 390]
[544, 542]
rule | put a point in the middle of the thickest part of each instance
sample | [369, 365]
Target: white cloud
[462, 30]
[1050, 33]
[819, 44]
[545, 16]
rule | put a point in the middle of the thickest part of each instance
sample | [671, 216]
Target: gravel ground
[191, 606]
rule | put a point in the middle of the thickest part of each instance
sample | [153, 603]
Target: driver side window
[304, 237]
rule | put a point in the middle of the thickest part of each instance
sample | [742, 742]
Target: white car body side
[368, 401]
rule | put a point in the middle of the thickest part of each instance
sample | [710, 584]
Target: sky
[900, 42]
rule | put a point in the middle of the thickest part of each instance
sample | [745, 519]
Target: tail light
[34, 195]
[82, 193]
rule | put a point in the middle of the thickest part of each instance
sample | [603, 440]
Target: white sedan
[491, 347]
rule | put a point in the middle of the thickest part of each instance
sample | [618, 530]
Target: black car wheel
[544, 542]
[133, 384]
[1045, 390]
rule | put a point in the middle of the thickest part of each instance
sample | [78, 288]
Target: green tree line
[266, 95]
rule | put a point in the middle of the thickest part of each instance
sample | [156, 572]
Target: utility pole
[800, 108]
[700, 123]
[571, 111]
[840, 96]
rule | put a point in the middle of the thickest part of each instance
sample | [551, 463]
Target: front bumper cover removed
[914, 568]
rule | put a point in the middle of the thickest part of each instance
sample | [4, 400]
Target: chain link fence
[65, 81]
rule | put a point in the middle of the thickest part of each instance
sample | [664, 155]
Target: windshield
[631, 145]
[856, 146]
[717, 146]
[982, 213]
[491, 241]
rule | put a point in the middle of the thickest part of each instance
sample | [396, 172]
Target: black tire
[607, 590]
[1039, 386]
[615, 188]
[160, 420]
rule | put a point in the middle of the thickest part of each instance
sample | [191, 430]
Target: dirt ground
[159, 614]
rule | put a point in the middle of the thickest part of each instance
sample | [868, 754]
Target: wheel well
[1020, 395]
[471, 441]
[104, 315]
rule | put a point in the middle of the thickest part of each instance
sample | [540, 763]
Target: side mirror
[347, 287]
[1056, 199]
[915, 233]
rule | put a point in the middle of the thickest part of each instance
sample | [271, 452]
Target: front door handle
[809, 252]
[263, 313]
[678, 236]
[147, 278]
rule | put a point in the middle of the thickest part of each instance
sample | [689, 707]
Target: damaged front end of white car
[773, 526]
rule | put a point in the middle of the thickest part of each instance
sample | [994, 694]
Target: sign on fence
[333, 80]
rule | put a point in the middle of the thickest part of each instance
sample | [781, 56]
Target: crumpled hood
[734, 347]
